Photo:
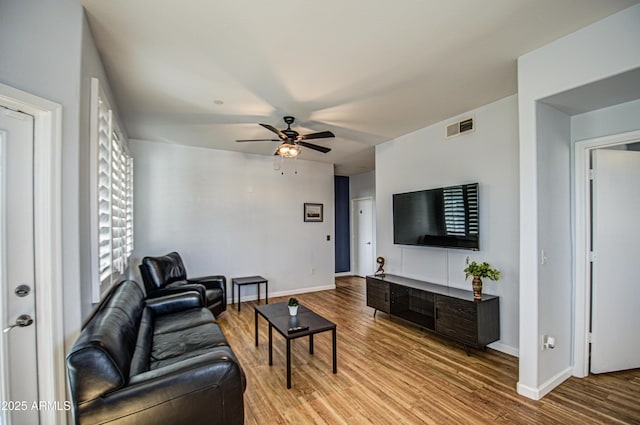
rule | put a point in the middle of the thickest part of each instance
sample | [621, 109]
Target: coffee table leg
[288, 363]
[270, 344]
[266, 290]
[256, 320]
[238, 297]
[311, 344]
[335, 354]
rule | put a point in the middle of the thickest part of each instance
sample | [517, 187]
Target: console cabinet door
[378, 295]
[457, 319]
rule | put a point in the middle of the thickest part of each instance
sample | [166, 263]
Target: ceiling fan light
[288, 150]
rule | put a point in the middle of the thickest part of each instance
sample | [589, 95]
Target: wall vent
[457, 128]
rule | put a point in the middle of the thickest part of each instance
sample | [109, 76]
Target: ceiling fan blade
[275, 130]
[259, 140]
[320, 135]
[315, 147]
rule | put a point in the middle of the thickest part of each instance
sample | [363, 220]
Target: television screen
[446, 217]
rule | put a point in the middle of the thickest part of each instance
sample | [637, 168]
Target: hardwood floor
[391, 372]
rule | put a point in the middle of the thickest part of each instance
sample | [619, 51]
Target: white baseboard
[298, 291]
[507, 349]
[344, 274]
[546, 388]
[528, 392]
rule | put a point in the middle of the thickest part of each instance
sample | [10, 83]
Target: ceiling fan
[292, 140]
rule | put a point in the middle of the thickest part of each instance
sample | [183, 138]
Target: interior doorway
[363, 238]
[599, 215]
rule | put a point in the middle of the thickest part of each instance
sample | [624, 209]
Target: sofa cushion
[223, 353]
[183, 320]
[175, 344]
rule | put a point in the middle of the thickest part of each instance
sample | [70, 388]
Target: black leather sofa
[167, 274]
[157, 361]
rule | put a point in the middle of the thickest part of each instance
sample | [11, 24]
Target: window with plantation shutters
[112, 231]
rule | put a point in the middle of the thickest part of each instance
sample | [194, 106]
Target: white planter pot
[293, 310]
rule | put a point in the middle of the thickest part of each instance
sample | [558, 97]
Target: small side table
[249, 280]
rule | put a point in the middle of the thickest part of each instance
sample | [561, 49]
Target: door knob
[367, 243]
[21, 322]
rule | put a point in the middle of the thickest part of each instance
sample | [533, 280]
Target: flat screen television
[445, 217]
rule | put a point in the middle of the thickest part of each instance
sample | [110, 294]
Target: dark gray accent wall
[342, 230]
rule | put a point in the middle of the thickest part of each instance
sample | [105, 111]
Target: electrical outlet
[313, 270]
[548, 342]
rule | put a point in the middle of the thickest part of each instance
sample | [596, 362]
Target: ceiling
[204, 73]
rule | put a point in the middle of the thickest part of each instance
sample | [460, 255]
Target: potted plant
[293, 306]
[479, 271]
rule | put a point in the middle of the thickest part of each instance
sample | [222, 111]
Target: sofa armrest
[211, 282]
[174, 302]
[178, 288]
[184, 392]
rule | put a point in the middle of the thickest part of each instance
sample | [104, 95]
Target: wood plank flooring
[391, 372]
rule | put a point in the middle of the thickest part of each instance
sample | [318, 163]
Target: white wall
[40, 47]
[230, 213]
[601, 50]
[425, 159]
[554, 236]
[362, 185]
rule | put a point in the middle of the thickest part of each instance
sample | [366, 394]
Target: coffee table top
[278, 316]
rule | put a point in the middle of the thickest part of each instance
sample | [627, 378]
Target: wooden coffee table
[277, 315]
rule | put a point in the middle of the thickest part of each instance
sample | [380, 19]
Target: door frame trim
[582, 236]
[47, 139]
[353, 230]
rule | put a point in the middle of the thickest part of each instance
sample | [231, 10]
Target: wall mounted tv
[446, 217]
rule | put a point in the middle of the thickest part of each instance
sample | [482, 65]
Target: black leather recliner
[166, 274]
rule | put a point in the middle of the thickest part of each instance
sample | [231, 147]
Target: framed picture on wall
[313, 212]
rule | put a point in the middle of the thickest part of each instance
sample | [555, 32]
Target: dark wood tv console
[449, 312]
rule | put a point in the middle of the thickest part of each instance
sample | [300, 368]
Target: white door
[363, 237]
[615, 321]
[18, 354]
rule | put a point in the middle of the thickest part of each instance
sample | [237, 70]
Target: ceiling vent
[467, 125]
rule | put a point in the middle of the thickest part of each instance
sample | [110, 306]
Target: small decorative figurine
[380, 271]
